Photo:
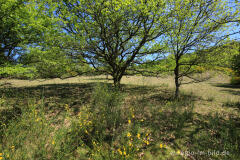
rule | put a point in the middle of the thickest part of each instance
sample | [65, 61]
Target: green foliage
[235, 80]
[167, 65]
[22, 23]
[236, 64]
[53, 63]
[220, 58]
[17, 71]
[119, 33]
[106, 109]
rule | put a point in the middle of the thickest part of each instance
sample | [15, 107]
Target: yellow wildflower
[133, 116]
[1, 157]
[119, 151]
[161, 146]
[178, 152]
[129, 134]
[146, 141]
[124, 153]
[129, 121]
[138, 136]
[130, 144]
[1, 154]
[53, 142]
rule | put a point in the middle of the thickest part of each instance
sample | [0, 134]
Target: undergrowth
[109, 127]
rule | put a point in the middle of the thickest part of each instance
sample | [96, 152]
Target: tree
[113, 35]
[219, 58]
[53, 62]
[8, 38]
[196, 26]
[18, 27]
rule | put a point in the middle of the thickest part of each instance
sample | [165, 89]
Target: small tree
[196, 24]
[112, 35]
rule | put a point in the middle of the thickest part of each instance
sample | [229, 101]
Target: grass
[85, 118]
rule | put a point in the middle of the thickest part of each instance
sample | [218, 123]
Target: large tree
[24, 24]
[113, 35]
[8, 28]
[196, 26]
[18, 27]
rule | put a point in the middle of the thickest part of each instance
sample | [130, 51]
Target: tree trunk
[116, 81]
[177, 83]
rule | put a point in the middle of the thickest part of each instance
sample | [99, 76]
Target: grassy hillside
[81, 118]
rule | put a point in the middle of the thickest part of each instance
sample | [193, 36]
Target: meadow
[86, 118]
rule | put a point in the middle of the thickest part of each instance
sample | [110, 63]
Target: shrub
[236, 64]
[235, 80]
[17, 71]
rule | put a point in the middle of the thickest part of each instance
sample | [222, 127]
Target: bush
[17, 71]
[235, 80]
[236, 64]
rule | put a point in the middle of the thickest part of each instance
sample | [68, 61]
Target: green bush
[235, 80]
[17, 71]
[236, 64]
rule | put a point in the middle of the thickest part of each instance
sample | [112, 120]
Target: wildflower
[12, 147]
[129, 121]
[1, 154]
[146, 141]
[128, 134]
[86, 131]
[161, 146]
[37, 119]
[130, 144]
[138, 136]
[142, 120]
[120, 152]
[124, 153]
[133, 116]
[53, 142]
[1, 157]
[178, 152]
[165, 146]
